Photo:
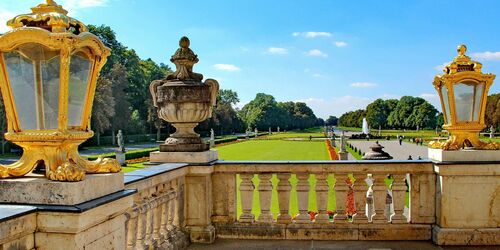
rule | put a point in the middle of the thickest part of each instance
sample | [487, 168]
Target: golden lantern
[49, 64]
[463, 90]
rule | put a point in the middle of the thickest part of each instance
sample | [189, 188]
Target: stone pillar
[322, 198]
[379, 197]
[265, 192]
[360, 189]
[341, 189]
[198, 204]
[468, 200]
[284, 189]
[246, 191]
[398, 198]
[302, 198]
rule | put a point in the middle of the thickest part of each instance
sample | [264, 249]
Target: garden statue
[256, 132]
[212, 138]
[269, 130]
[278, 129]
[120, 153]
[184, 101]
[492, 132]
[121, 141]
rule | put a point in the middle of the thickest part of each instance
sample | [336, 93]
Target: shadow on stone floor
[326, 245]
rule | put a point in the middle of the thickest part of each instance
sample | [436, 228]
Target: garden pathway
[399, 152]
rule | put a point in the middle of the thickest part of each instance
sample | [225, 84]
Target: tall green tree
[332, 121]
[104, 107]
[377, 113]
[492, 117]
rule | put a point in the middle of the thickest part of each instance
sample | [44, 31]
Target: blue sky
[334, 55]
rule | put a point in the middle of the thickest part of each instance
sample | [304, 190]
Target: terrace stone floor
[221, 244]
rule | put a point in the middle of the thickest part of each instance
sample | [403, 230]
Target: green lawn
[274, 150]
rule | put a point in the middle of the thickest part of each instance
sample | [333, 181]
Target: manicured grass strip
[274, 150]
[356, 155]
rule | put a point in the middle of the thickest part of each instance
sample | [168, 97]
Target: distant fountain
[365, 130]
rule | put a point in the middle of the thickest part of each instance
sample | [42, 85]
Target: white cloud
[363, 85]
[226, 67]
[340, 44]
[487, 56]
[316, 52]
[440, 67]
[4, 17]
[312, 34]
[432, 99]
[277, 51]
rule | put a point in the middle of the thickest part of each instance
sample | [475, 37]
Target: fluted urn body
[184, 101]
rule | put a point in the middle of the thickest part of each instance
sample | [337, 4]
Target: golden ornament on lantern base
[463, 90]
[49, 65]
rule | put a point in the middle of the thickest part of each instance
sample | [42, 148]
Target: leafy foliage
[264, 112]
[408, 112]
[492, 117]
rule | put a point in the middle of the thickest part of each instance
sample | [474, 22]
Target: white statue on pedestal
[212, 138]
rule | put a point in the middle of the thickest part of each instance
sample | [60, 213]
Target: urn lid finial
[184, 60]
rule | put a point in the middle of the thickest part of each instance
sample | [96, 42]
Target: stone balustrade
[170, 205]
[353, 200]
[155, 221]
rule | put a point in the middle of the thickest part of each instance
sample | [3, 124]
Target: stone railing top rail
[391, 166]
[146, 173]
[8, 212]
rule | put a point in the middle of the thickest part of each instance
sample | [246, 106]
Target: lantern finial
[461, 49]
[49, 16]
[51, 2]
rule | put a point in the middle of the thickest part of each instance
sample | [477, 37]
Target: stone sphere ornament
[184, 101]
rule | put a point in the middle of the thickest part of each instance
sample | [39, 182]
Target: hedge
[134, 154]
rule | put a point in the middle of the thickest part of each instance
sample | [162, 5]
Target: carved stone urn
[184, 101]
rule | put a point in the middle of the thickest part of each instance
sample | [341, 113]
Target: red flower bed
[333, 154]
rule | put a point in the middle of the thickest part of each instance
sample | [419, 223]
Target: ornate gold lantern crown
[49, 66]
[49, 16]
[462, 63]
[463, 90]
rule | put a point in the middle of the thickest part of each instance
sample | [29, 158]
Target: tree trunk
[113, 138]
[98, 138]
[379, 130]
[158, 134]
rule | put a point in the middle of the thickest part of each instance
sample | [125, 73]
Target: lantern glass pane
[33, 72]
[478, 95]
[464, 100]
[80, 70]
[446, 105]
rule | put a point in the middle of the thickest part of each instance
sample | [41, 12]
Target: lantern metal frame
[56, 149]
[463, 133]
